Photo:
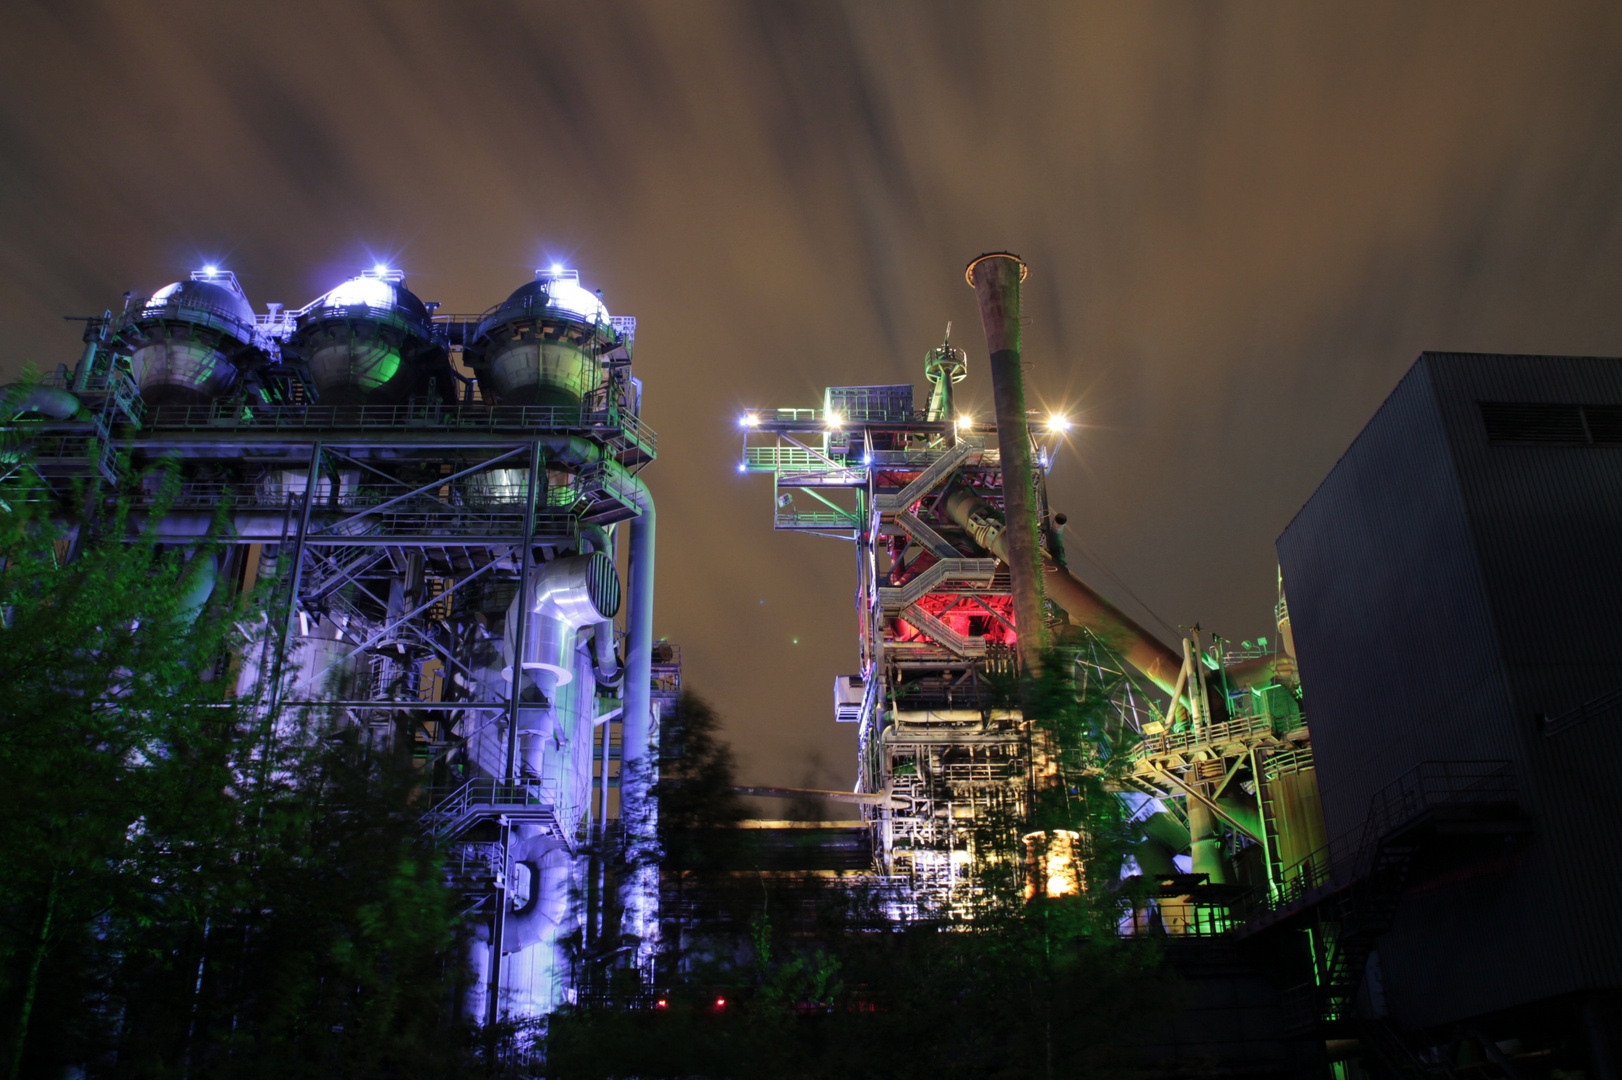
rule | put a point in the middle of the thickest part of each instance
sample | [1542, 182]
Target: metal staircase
[972, 573]
[485, 798]
[943, 634]
[920, 531]
[930, 478]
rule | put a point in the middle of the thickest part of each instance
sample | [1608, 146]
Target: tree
[190, 889]
[1027, 988]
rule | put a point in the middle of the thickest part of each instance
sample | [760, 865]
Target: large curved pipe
[605, 664]
[19, 398]
[201, 575]
[1080, 601]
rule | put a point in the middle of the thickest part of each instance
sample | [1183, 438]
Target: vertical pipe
[87, 362]
[526, 571]
[996, 278]
[526, 567]
[636, 723]
[273, 697]
[602, 815]
[498, 926]
[638, 814]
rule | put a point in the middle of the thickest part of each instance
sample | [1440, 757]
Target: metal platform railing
[1478, 787]
[485, 798]
[534, 419]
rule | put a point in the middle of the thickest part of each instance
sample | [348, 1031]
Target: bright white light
[965, 423]
[1057, 423]
[380, 268]
[557, 268]
[749, 419]
[567, 295]
[834, 421]
[211, 270]
[742, 467]
[373, 292]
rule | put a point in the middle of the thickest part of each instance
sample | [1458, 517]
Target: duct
[537, 920]
[19, 398]
[201, 575]
[605, 664]
[567, 595]
[1085, 607]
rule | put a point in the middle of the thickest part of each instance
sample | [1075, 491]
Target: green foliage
[189, 891]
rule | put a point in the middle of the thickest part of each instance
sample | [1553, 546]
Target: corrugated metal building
[1455, 587]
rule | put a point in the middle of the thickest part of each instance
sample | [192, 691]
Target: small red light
[661, 1004]
[720, 1003]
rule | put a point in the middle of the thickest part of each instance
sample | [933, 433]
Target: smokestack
[996, 278]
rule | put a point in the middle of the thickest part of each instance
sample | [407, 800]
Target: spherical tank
[369, 342]
[541, 346]
[190, 342]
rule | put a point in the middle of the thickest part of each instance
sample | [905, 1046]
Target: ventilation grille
[603, 585]
[1524, 423]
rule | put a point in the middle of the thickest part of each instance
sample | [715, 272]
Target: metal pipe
[605, 664]
[638, 814]
[510, 769]
[19, 398]
[1075, 597]
[996, 278]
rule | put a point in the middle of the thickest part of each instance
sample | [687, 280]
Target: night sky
[1243, 223]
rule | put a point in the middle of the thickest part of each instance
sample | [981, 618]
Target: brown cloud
[1243, 222]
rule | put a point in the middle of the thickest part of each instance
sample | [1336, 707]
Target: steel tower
[442, 503]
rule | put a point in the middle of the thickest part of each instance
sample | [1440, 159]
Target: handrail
[261, 417]
[1350, 856]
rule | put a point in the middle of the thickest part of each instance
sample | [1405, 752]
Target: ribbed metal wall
[1444, 591]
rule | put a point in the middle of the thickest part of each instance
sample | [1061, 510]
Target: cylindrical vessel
[369, 342]
[541, 346]
[190, 343]
[996, 279]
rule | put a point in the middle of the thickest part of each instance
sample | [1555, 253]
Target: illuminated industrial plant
[441, 502]
[1220, 786]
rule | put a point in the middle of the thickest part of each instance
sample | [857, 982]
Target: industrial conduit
[605, 664]
[567, 595]
[1085, 606]
[19, 398]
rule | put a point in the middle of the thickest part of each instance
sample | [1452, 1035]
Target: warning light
[720, 1003]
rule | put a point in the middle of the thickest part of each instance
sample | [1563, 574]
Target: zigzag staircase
[930, 478]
